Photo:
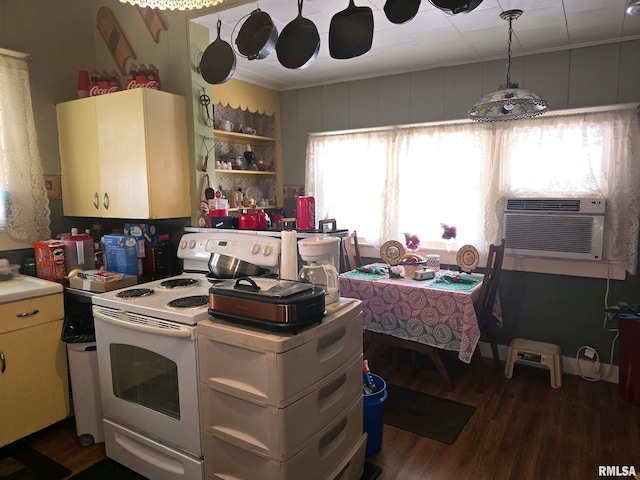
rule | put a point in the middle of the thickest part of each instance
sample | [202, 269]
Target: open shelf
[242, 173]
[234, 137]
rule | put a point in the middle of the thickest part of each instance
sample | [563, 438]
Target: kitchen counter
[22, 287]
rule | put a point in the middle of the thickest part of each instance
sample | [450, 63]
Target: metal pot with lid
[258, 36]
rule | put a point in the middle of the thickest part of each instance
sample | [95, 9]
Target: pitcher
[324, 276]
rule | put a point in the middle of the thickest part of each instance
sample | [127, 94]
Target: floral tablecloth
[419, 311]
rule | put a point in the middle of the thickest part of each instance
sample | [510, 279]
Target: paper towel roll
[289, 255]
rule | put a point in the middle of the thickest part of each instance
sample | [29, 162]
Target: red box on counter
[50, 260]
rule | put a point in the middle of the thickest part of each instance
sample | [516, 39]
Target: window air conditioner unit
[555, 227]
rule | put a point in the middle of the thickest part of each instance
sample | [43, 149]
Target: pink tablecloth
[412, 310]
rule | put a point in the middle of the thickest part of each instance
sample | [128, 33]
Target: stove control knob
[183, 244]
[256, 248]
[192, 244]
[268, 250]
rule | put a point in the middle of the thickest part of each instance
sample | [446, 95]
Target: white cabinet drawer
[280, 433]
[277, 370]
[317, 458]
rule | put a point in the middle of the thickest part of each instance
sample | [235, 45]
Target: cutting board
[153, 21]
[113, 36]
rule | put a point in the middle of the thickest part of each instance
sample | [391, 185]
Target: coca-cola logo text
[98, 90]
[148, 84]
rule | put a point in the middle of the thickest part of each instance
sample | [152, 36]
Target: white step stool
[535, 353]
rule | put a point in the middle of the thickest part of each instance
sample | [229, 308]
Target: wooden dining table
[422, 315]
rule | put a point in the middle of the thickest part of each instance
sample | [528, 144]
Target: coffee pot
[323, 256]
[324, 276]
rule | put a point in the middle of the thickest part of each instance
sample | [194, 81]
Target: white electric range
[147, 346]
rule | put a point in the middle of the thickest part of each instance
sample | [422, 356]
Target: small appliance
[323, 254]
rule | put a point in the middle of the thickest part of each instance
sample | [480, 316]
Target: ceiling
[431, 39]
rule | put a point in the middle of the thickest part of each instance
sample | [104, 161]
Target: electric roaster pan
[267, 303]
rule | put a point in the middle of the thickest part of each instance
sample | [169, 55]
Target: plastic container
[629, 368]
[78, 251]
[373, 406]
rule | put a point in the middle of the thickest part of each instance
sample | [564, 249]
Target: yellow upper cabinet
[124, 155]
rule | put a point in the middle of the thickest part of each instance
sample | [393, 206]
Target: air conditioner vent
[559, 228]
[549, 205]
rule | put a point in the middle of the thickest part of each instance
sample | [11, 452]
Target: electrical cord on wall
[592, 351]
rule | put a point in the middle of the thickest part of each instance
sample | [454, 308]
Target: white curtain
[388, 181]
[27, 212]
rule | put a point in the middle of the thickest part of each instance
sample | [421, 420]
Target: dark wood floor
[522, 428]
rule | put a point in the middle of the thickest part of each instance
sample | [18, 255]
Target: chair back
[350, 252]
[489, 288]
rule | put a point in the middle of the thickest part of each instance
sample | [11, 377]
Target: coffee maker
[322, 255]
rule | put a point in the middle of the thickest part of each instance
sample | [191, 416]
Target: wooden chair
[350, 252]
[485, 302]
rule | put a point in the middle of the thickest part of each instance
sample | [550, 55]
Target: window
[24, 207]
[388, 181]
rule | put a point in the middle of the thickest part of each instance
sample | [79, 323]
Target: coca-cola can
[306, 213]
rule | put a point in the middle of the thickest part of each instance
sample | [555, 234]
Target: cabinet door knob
[27, 314]
[96, 200]
[105, 201]
[3, 362]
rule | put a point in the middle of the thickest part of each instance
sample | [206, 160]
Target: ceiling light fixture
[173, 4]
[633, 7]
[508, 102]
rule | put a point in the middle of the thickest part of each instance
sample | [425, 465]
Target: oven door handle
[177, 332]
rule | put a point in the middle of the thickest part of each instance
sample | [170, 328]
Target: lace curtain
[388, 181]
[27, 213]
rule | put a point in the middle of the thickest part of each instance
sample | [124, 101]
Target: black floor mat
[426, 415]
[107, 469]
[18, 461]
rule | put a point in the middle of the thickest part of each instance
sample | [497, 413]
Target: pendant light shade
[633, 7]
[508, 102]
[173, 4]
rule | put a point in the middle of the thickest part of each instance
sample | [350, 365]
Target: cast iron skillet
[218, 61]
[401, 11]
[258, 36]
[454, 7]
[299, 42]
[351, 32]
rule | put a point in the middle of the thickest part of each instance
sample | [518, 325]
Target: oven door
[149, 376]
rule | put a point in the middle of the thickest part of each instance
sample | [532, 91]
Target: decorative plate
[391, 252]
[467, 258]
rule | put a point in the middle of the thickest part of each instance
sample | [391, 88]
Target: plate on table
[391, 252]
[468, 258]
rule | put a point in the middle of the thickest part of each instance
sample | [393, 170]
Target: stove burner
[134, 293]
[193, 301]
[179, 283]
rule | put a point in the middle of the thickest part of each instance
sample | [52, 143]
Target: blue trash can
[373, 406]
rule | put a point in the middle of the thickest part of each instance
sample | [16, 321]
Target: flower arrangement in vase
[448, 234]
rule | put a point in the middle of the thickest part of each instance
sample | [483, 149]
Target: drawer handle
[331, 338]
[332, 434]
[28, 314]
[3, 362]
[96, 201]
[330, 389]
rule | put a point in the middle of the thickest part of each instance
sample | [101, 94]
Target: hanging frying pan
[351, 32]
[298, 43]
[218, 61]
[454, 7]
[258, 36]
[401, 11]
